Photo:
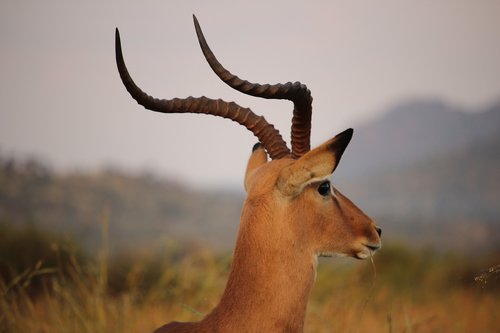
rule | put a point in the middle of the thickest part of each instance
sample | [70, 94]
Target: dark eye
[324, 188]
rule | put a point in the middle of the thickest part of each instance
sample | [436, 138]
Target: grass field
[403, 291]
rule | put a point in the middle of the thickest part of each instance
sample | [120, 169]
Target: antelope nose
[379, 231]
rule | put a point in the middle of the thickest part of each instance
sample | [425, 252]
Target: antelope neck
[268, 287]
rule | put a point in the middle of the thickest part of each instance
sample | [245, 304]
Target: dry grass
[403, 291]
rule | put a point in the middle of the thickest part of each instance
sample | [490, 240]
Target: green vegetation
[58, 289]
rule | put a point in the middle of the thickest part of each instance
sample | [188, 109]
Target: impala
[292, 214]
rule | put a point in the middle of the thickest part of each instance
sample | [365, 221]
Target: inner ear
[257, 159]
[318, 164]
[338, 145]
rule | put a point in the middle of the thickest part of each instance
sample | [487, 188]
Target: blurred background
[113, 218]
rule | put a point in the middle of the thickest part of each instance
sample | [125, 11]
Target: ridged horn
[265, 132]
[295, 92]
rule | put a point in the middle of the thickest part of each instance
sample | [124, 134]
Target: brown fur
[285, 224]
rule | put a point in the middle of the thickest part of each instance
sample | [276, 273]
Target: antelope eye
[324, 188]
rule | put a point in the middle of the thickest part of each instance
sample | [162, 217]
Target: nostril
[379, 231]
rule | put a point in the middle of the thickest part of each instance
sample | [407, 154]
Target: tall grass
[412, 291]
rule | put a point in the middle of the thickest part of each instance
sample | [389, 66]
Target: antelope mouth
[368, 250]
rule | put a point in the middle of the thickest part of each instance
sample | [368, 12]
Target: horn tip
[118, 46]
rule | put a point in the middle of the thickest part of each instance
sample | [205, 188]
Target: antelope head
[292, 213]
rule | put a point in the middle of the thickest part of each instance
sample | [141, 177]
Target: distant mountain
[429, 174]
[415, 130]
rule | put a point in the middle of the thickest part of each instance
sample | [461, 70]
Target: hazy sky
[61, 98]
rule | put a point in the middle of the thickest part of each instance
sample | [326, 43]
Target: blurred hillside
[141, 209]
[429, 174]
[417, 130]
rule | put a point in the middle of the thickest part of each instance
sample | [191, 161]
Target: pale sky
[61, 98]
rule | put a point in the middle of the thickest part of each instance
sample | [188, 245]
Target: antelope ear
[315, 165]
[258, 158]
